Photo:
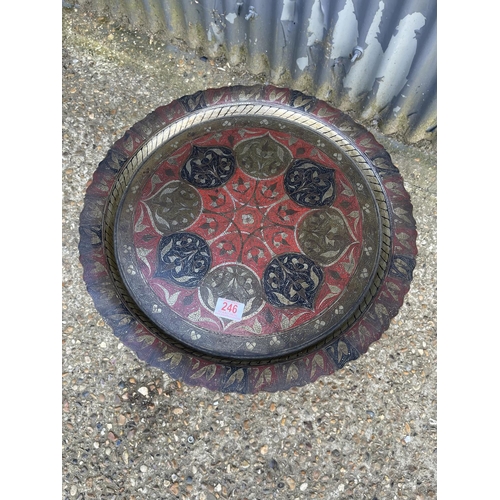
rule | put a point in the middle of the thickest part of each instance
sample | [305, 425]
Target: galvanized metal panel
[311, 45]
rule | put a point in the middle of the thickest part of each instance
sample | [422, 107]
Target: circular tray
[247, 238]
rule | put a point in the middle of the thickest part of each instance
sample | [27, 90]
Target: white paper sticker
[229, 309]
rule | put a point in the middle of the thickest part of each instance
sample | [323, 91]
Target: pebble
[73, 491]
[273, 464]
[143, 390]
[264, 450]
[303, 487]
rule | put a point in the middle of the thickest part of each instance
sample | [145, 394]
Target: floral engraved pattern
[310, 184]
[194, 102]
[276, 256]
[174, 207]
[302, 101]
[233, 282]
[324, 236]
[183, 258]
[209, 167]
[262, 157]
[292, 280]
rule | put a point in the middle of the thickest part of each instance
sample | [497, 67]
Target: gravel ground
[131, 432]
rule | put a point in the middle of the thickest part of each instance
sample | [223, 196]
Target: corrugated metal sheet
[374, 58]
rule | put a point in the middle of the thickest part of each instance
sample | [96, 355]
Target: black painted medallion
[183, 258]
[209, 167]
[310, 184]
[292, 280]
